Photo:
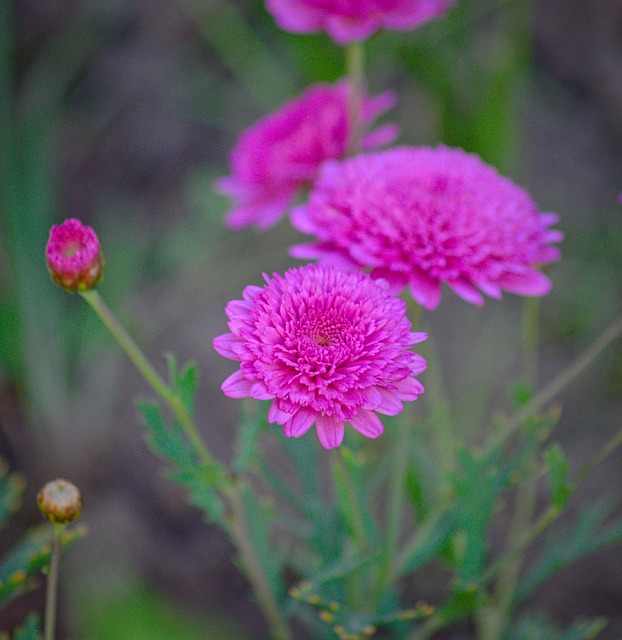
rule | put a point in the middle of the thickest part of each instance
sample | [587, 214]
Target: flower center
[71, 248]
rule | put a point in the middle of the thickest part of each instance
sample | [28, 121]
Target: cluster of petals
[328, 347]
[74, 256]
[354, 20]
[283, 151]
[422, 216]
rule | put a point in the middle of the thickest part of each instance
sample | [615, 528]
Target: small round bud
[60, 501]
[73, 256]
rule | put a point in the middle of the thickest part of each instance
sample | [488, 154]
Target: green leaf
[538, 627]
[557, 467]
[169, 442]
[432, 535]
[254, 424]
[12, 486]
[28, 557]
[260, 515]
[30, 630]
[184, 382]
[587, 534]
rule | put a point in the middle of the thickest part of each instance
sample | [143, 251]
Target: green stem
[52, 584]
[395, 509]
[553, 512]
[148, 372]
[239, 531]
[356, 76]
[558, 384]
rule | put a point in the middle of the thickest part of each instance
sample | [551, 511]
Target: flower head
[327, 347]
[282, 152]
[60, 501]
[353, 20]
[418, 217]
[74, 257]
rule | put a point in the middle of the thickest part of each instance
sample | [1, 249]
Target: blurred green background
[122, 112]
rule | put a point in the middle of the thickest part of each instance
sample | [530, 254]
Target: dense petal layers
[74, 256]
[418, 217]
[354, 20]
[328, 347]
[282, 152]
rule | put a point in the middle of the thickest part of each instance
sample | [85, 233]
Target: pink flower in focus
[327, 347]
[418, 217]
[282, 152]
[352, 20]
[73, 255]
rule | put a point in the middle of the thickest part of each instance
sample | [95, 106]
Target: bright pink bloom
[73, 255]
[327, 346]
[419, 216]
[351, 20]
[282, 152]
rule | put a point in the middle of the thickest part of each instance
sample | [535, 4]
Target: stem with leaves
[51, 595]
[232, 492]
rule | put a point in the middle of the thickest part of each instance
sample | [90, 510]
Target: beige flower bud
[60, 501]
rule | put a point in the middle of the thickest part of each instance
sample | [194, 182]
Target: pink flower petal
[367, 423]
[237, 386]
[300, 423]
[225, 344]
[330, 431]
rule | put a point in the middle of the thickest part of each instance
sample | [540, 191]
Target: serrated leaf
[587, 534]
[28, 557]
[557, 468]
[169, 442]
[253, 425]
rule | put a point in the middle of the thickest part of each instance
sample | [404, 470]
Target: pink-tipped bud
[74, 257]
[60, 501]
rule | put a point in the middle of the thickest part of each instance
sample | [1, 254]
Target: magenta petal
[418, 336]
[276, 415]
[225, 344]
[237, 386]
[300, 423]
[330, 431]
[530, 283]
[467, 292]
[259, 392]
[425, 290]
[390, 405]
[409, 389]
[367, 423]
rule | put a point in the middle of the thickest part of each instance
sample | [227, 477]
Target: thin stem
[356, 76]
[239, 531]
[148, 372]
[396, 501]
[493, 618]
[553, 512]
[558, 384]
[52, 584]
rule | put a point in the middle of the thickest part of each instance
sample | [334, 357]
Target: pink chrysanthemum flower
[354, 20]
[282, 152]
[418, 217]
[327, 346]
[73, 255]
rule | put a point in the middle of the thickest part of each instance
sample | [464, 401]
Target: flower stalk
[356, 75]
[51, 595]
[148, 372]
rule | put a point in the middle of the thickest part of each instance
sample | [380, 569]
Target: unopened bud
[60, 501]
[73, 255]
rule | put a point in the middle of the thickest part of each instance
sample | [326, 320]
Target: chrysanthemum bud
[73, 255]
[60, 501]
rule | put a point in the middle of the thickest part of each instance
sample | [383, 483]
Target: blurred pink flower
[419, 216]
[73, 255]
[327, 346]
[282, 152]
[351, 20]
